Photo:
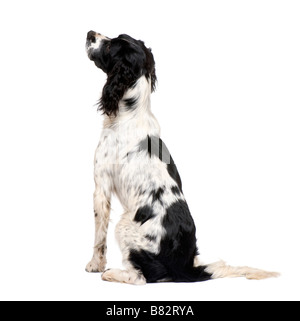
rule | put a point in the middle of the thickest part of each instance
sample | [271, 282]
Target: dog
[156, 233]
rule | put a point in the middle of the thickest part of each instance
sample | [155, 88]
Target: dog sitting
[156, 234]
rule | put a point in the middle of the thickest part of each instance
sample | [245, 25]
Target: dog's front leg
[102, 214]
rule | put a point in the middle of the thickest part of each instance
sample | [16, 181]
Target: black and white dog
[156, 233]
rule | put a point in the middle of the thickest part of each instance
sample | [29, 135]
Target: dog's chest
[112, 149]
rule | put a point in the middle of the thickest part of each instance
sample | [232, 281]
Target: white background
[229, 106]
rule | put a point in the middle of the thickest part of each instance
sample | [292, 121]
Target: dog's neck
[134, 116]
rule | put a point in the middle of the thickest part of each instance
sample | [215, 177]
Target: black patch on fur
[157, 148]
[181, 230]
[177, 250]
[144, 214]
[130, 103]
[175, 190]
[173, 172]
[157, 194]
[102, 249]
[151, 238]
[149, 264]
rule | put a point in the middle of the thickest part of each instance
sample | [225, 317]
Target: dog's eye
[93, 39]
[108, 48]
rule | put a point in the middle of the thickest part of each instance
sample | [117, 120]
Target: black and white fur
[156, 233]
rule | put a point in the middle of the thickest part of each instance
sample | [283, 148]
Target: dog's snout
[91, 36]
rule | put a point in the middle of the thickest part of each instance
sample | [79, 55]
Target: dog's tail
[218, 270]
[222, 270]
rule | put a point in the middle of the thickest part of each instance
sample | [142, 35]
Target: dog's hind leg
[128, 236]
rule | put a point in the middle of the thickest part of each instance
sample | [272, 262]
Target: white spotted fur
[121, 136]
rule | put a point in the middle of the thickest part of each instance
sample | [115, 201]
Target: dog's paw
[95, 266]
[115, 275]
[107, 275]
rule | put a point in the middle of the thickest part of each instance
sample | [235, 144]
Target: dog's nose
[91, 36]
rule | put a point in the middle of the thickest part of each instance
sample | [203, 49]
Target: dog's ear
[153, 79]
[118, 81]
[150, 68]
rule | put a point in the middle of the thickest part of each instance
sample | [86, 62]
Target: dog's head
[124, 60]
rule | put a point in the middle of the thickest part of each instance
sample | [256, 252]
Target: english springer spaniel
[156, 233]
